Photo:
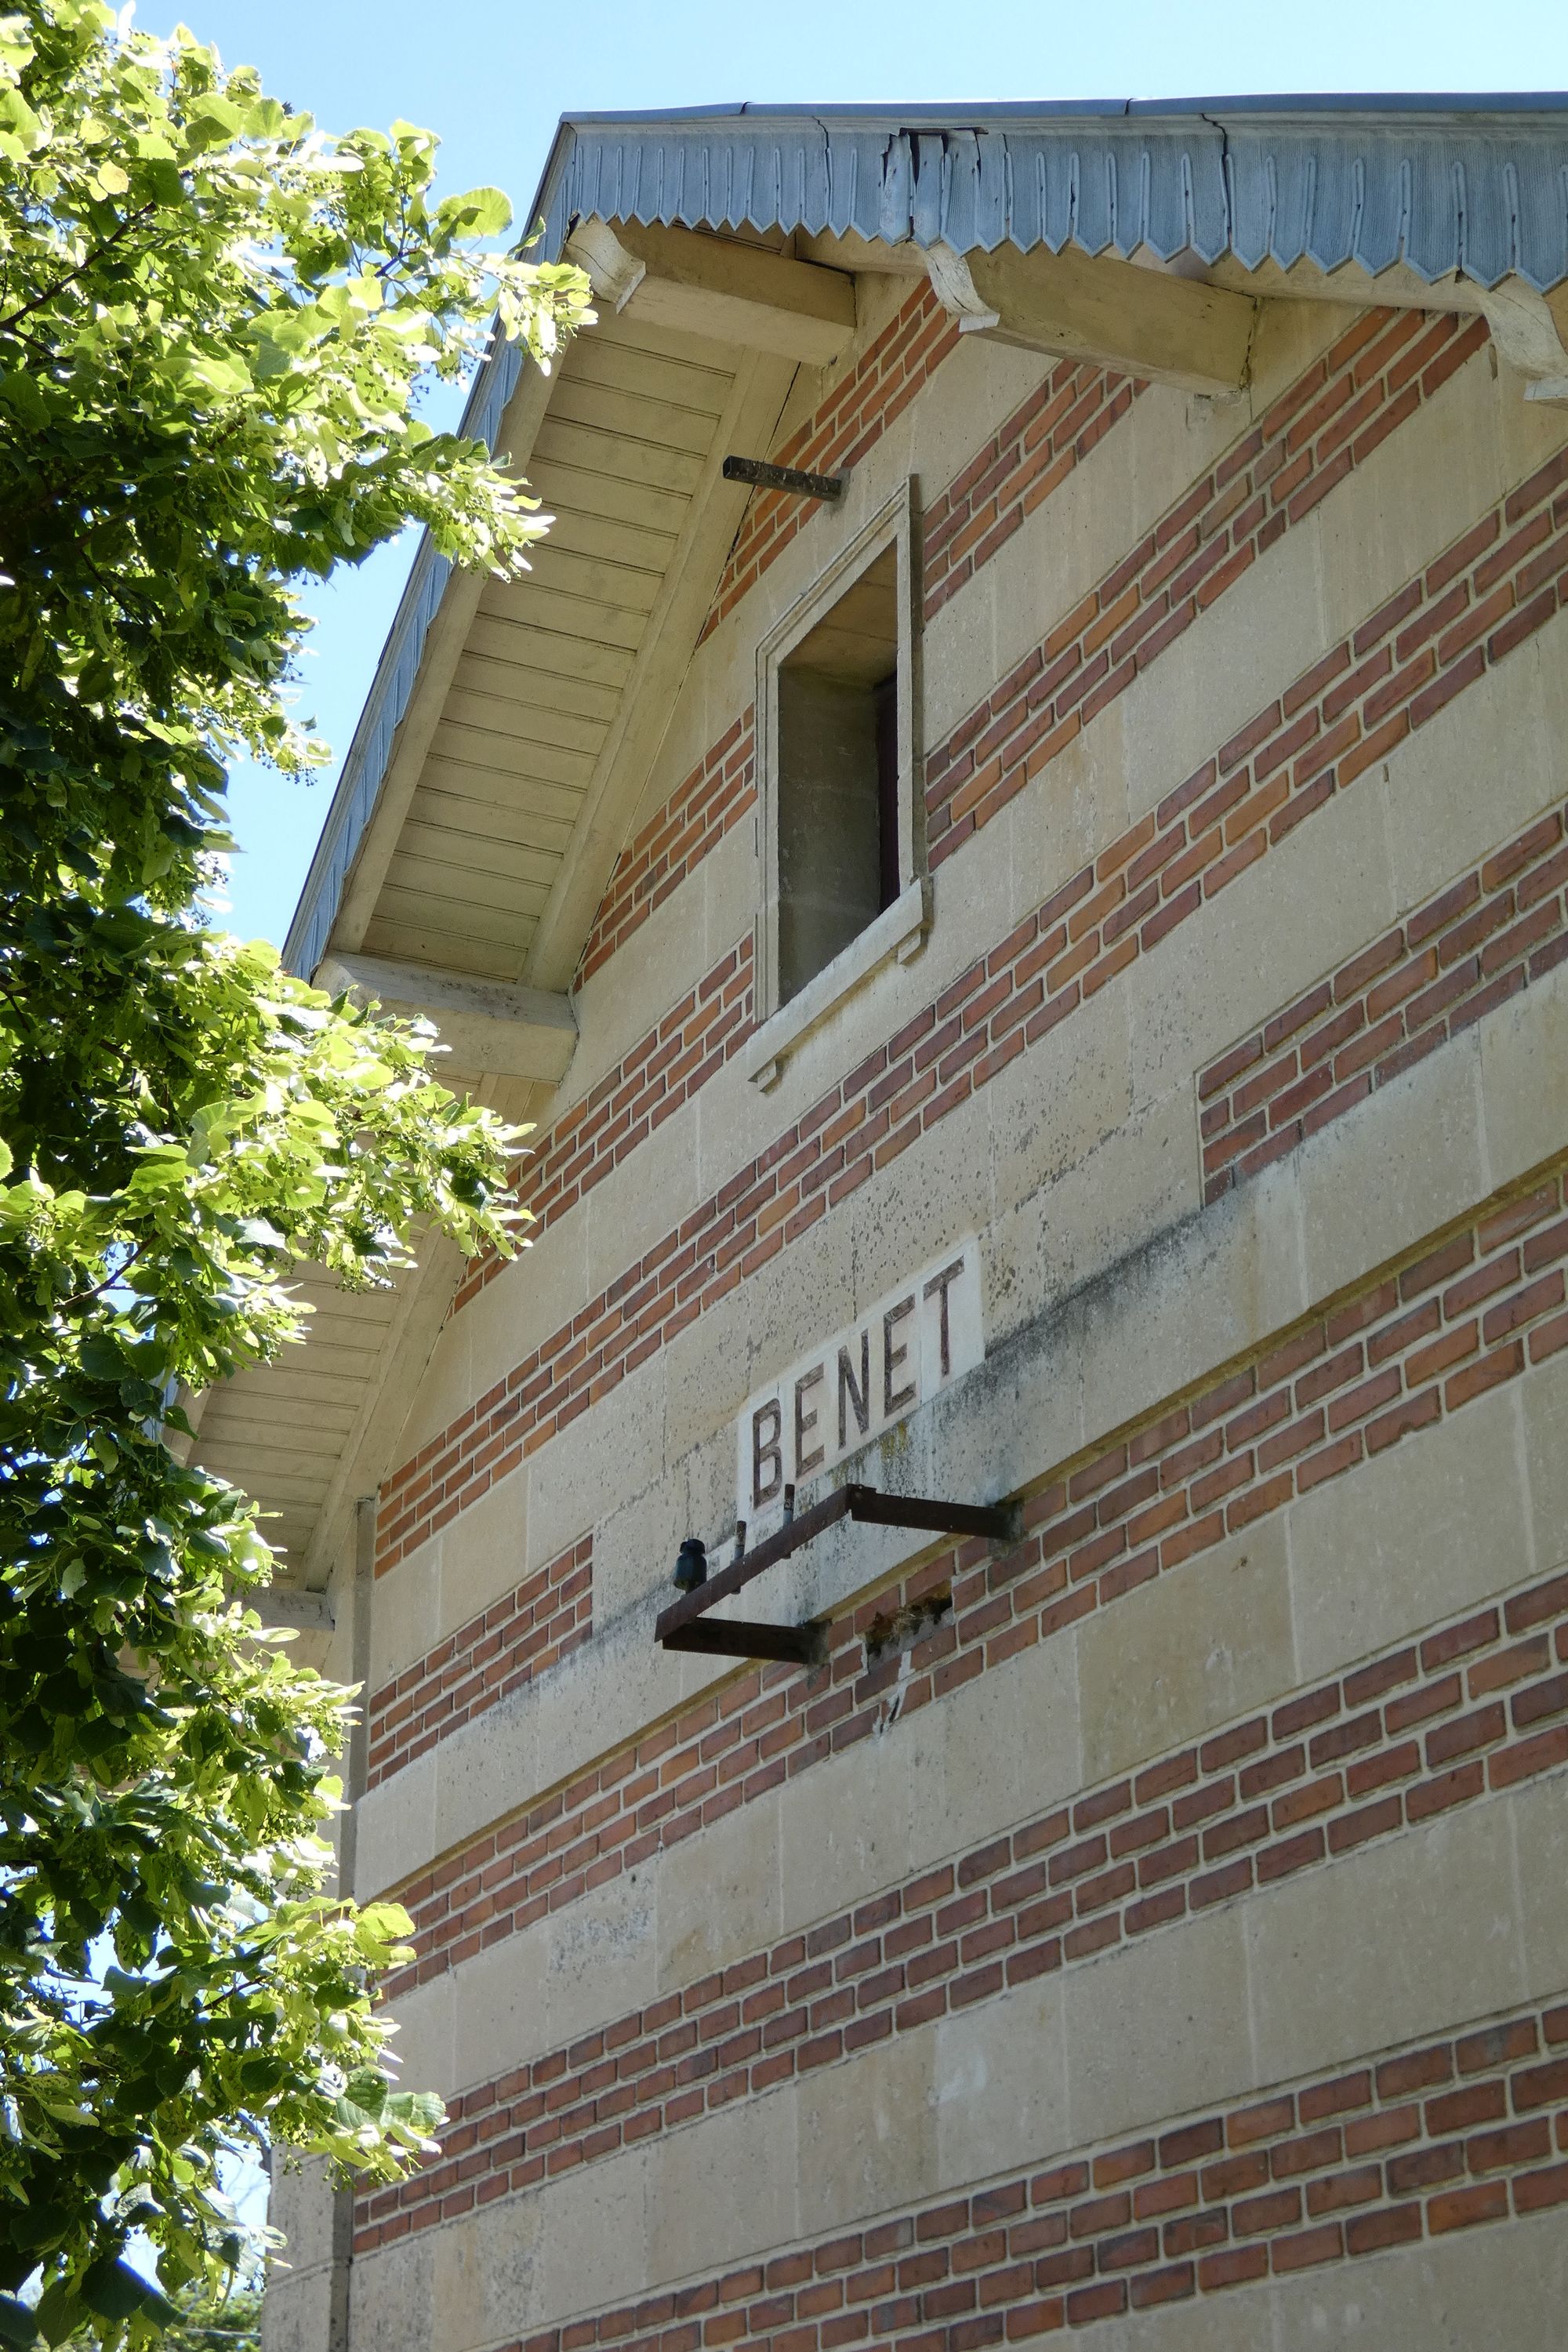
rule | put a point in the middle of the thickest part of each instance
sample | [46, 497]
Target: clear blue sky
[493, 76]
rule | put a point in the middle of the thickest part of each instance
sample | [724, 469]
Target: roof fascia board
[487, 415]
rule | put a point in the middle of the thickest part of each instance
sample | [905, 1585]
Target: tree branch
[39, 302]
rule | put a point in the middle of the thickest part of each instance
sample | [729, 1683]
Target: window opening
[838, 776]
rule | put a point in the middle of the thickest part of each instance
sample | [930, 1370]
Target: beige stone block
[867, 2132]
[393, 2302]
[1094, 1231]
[665, 956]
[1524, 1078]
[846, 1828]
[959, 658]
[1540, 1822]
[1248, 953]
[483, 2272]
[422, 2047]
[297, 2316]
[922, 1202]
[527, 1301]
[794, 1301]
[637, 1205]
[1055, 1105]
[1401, 1938]
[405, 1613]
[1233, 2322]
[730, 882]
[593, 1702]
[708, 1372]
[635, 1546]
[1395, 1168]
[1527, 431]
[1158, 2028]
[1414, 1536]
[300, 2202]
[1230, 664]
[1181, 1293]
[486, 2273]
[603, 1956]
[973, 392]
[396, 1829]
[1544, 1406]
[1001, 2086]
[1442, 819]
[489, 1768]
[1092, 520]
[722, 2189]
[1501, 2289]
[1289, 336]
[501, 2005]
[1416, 492]
[1202, 1644]
[594, 2238]
[1007, 1747]
[608, 1454]
[719, 1896]
[1016, 1413]
[483, 1553]
[1062, 821]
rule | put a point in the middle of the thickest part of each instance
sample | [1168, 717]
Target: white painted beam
[280, 1604]
[491, 1028]
[1169, 329]
[718, 288]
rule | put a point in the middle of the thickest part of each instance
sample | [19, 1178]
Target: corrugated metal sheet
[1477, 187]
[1481, 190]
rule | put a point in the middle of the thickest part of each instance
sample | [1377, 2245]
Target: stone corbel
[1526, 332]
[955, 288]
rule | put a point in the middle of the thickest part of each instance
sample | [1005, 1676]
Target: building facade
[1038, 955]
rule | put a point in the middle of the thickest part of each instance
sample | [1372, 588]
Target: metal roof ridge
[959, 113]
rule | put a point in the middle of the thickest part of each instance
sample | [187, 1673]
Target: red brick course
[875, 390]
[506, 1646]
[1407, 2144]
[1479, 1703]
[1503, 581]
[1330, 419]
[1469, 948]
[718, 793]
[663, 1070]
[1478, 1305]
[1028, 456]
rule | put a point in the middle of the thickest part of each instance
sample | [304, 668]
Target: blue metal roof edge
[1475, 185]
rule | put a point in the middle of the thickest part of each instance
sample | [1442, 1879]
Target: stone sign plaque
[912, 1343]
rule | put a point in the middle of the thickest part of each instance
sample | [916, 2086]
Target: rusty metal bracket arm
[679, 1628]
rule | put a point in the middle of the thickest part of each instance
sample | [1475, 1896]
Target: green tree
[213, 325]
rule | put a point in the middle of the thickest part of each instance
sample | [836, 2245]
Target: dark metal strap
[764, 477]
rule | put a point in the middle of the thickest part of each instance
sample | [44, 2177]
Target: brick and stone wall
[1162, 1936]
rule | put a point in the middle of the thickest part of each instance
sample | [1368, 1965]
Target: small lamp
[691, 1565]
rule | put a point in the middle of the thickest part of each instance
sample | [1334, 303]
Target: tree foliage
[213, 325]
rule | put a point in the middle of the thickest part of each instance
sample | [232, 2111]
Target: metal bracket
[680, 1626]
[764, 477]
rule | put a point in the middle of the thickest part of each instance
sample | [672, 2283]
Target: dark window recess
[838, 776]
